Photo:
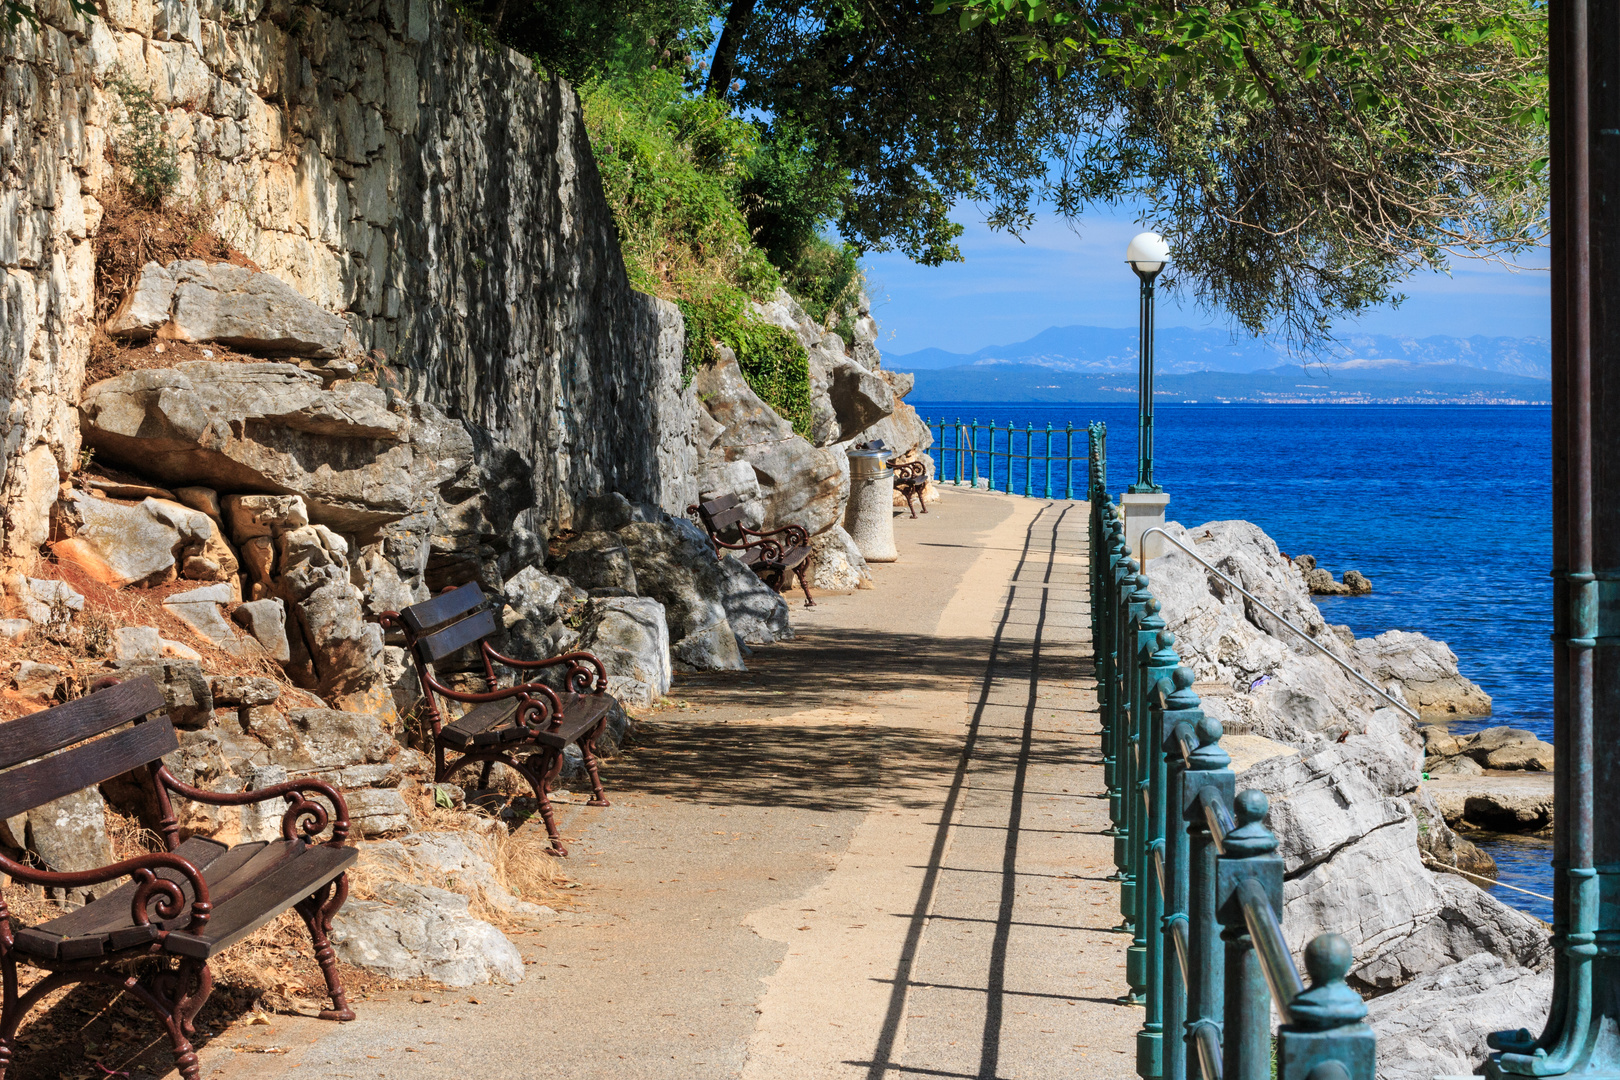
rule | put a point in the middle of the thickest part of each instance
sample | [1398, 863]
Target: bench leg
[913, 509]
[542, 792]
[317, 911]
[587, 746]
[798, 572]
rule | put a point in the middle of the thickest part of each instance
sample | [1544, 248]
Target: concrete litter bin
[869, 517]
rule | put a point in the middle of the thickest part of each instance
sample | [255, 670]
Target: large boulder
[836, 563]
[800, 484]
[147, 543]
[414, 931]
[599, 560]
[246, 309]
[1353, 866]
[675, 565]
[757, 613]
[631, 638]
[1436, 1025]
[65, 835]
[1426, 671]
[359, 458]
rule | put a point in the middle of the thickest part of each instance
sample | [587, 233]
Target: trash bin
[869, 517]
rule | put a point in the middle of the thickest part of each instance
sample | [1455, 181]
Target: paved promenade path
[875, 855]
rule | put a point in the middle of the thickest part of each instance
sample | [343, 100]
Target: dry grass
[132, 235]
[83, 649]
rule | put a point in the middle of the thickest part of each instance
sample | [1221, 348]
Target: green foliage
[142, 146]
[771, 359]
[672, 167]
[825, 278]
[593, 39]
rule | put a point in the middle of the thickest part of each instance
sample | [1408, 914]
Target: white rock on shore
[1353, 824]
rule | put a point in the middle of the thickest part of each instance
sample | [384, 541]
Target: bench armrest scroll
[304, 814]
[585, 675]
[154, 896]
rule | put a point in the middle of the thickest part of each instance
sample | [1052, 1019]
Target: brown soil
[83, 650]
[109, 357]
[131, 235]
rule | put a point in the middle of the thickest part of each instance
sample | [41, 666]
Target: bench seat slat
[85, 765]
[485, 725]
[248, 885]
[580, 714]
[263, 899]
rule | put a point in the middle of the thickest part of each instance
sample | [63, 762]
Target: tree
[1303, 155]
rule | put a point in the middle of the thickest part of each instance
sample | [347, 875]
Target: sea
[1447, 509]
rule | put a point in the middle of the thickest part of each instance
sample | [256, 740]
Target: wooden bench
[910, 480]
[506, 725]
[183, 905]
[771, 559]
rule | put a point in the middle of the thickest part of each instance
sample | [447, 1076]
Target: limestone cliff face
[438, 195]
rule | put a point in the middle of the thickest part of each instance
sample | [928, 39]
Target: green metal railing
[972, 454]
[1200, 879]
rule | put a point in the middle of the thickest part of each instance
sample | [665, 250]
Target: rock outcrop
[799, 483]
[1436, 1025]
[1503, 748]
[1355, 827]
[1426, 671]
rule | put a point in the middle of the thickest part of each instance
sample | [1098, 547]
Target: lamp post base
[1142, 512]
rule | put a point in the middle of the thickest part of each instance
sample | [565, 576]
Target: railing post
[1029, 453]
[1325, 1039]
[1068, 460]
[1208, 770]
[1107, 595]
[1049, 459]
[1124, 568]
[1180, 717]
[1247, 855]
[1131, 596]
[1144, 675]
[973, 448]
[1159, 664]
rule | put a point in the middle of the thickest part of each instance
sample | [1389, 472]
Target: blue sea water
[1447, 509]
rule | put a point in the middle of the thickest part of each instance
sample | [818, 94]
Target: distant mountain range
[1179, 350]
[1387, 382]
[1091, 363]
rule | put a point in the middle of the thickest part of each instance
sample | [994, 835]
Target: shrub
[772, 360]
[142, 146]
[672, 166]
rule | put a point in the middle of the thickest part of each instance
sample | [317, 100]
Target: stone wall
[437, 194]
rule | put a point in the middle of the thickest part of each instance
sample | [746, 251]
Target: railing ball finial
[1329, 1003]
[1209, 754]
[1329, 1070]
[1251, 837]
[1182, 678]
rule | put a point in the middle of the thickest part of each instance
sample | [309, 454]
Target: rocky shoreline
[1358, 827]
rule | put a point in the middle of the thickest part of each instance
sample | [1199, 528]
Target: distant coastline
[1407, 384]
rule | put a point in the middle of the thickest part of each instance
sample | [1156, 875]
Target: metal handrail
[1324, 650]
[1276, 962]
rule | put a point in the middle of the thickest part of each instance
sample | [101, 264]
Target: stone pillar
[869, 518]
[1143, 512]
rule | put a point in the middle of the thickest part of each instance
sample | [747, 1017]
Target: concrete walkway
[876, 854]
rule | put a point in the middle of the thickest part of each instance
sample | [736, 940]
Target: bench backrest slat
[430, 614]
[38, 782]
[725, 519]
[715, 506]
[457, 636]
[41, 733]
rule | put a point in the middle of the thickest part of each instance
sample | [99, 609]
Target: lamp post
[1144, 501]
[1147, 255]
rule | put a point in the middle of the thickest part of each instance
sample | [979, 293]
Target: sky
[1010, 289]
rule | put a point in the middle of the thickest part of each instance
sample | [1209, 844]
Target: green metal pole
[1247, 855]
[1068, 461]
[973, 447]
[1149, 625]
[1161, 664]
[1127, 761]
[1208, 768]
[1144, 394]
[1182, 714]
